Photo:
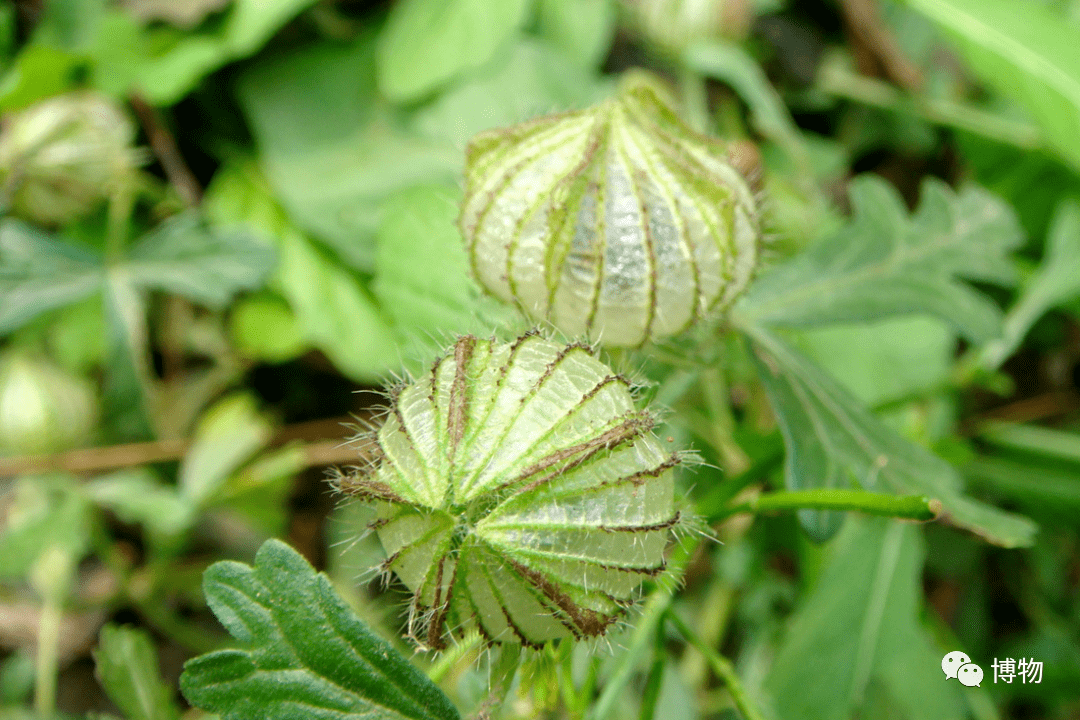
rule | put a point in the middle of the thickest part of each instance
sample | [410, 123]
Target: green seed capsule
[519, 491]
[616, 222]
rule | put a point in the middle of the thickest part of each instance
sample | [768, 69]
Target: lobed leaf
[183, 256]
[39, 272]
[888, 263]
[308, 654]
[834, 442]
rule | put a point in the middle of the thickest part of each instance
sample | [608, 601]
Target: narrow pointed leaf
[307, 654]
[834, 442]
[127, 667]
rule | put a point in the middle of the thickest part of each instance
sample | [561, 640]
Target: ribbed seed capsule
[617, 222]
[519, 491]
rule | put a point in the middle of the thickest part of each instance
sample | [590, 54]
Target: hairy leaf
[427, 43]
[834, 442]
[128, 669]
[886, 263]
[306, 653]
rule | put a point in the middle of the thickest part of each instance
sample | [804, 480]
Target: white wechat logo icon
[958, 665]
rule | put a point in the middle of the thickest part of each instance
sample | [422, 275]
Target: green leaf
[183, 256]
[306, 651]
[583, 29]
[855, 647]
[127, 56]
[333, 309]
[834, 442]
[229, 434]
[1056, 281]
[1057, 444]
[264, 328]
[427, 43]
[39, 273]
[885, 263]
[730, 64]
[1030, 56]
[884, 361]
[137, 496]
[536, 78]
[128, 670]
[46, 511]
[336, 312]
[1052, 492]
[329, 154]
[423, 277]
[40, 71]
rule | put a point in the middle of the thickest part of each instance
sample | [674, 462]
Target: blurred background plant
[225, 223]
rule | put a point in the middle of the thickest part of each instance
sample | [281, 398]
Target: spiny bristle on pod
[520, 492]
[617, 222]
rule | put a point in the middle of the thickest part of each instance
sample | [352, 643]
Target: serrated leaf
[427, 43]
[128, 670]
[183, 256]
[307, 652]
[834, 442]
[855, 646]
[1056, 281]
[39, 272]
[888, 263]
[1030, 55]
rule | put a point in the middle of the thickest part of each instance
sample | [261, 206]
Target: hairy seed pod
[617, 222]
[519, 491]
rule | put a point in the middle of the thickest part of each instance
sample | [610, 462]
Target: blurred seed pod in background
[519, 491]
[63, 156]
[617, 222]
[43, 408]
[672, 25]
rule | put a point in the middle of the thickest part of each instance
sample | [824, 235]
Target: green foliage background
[178, 357]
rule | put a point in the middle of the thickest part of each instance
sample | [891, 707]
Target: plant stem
[722, 667]
[695, 99]
[835, 79]
[912, 507]
[651, 617]
[712, 505]
[656, 676]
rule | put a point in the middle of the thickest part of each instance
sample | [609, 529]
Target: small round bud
[42, 407]
[62, 156]
[675, 24]
[519, 491]
[617, 222]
